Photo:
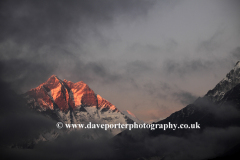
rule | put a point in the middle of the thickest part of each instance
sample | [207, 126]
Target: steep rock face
[63, 94]
[70, 102]
[226, 84]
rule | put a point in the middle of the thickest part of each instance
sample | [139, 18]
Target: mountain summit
[226, 84]
[65, 95]
[75, 103]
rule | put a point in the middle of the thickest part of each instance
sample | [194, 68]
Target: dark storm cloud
[73, 146]
[161, 90]
[186, 67]
[101, 71]
[210, 143]
[67, 146]
[236, 53]
[189, 67]
[146, 49]
[184, 97]
[25, 72]
[40, 22]
[47, 36]
[222, 110]
[18, 123]
[210, 44]
[150, 88]
[137, 68]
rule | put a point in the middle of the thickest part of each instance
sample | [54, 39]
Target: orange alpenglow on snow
[65, 94]
[131, 113]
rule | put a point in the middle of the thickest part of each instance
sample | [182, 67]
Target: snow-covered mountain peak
[70, 102]
[53, 79]
[226, 84]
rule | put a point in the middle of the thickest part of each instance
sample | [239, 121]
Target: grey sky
[149, 57]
